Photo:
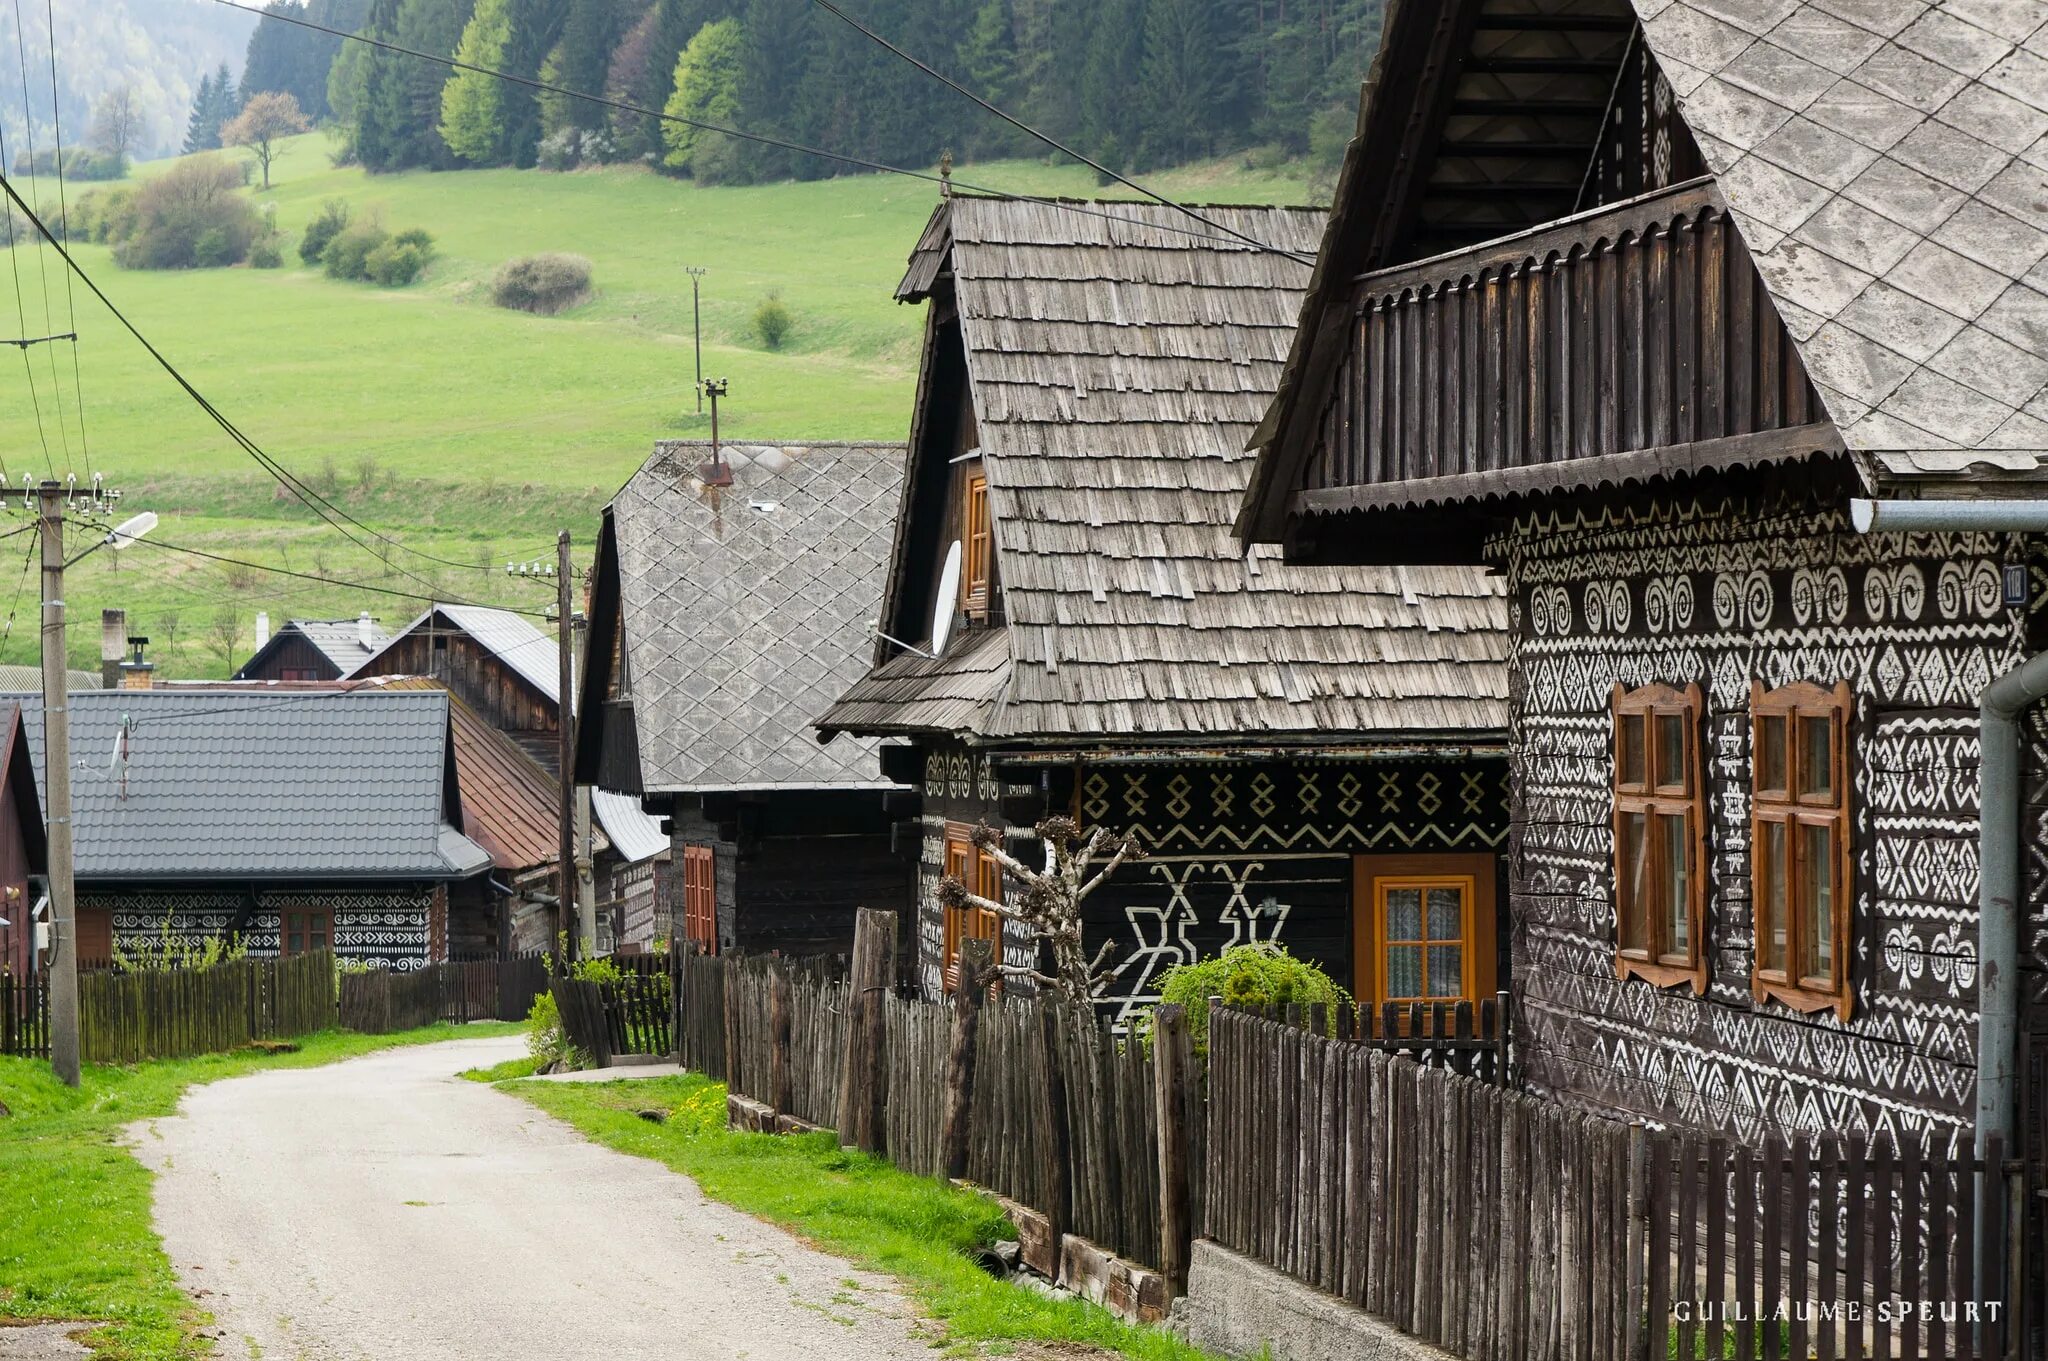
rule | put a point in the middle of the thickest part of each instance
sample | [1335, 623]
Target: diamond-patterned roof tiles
[748, 608]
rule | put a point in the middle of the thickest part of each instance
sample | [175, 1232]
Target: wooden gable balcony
[1636, 329]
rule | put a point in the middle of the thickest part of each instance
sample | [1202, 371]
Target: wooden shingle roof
[1116, 361]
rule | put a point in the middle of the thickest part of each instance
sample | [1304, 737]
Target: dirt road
[384, 1208]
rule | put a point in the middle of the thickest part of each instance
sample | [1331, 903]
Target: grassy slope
[473, 432]
[857, 1206]
[75, 1235]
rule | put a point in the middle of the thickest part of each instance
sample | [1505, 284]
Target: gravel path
[384, 1208]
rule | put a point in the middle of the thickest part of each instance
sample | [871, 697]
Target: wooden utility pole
[565, 722]
[57, 779]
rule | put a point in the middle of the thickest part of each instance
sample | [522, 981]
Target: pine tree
[580, 61]
[778, 72]
[200, 133]
[536, 28]
[1184, 82]
[1115, 46]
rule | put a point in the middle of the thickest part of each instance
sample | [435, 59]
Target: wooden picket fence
[24, 1017]
[605, 1020]
[1498, 1225]
[382, 1001]
[129, 1017]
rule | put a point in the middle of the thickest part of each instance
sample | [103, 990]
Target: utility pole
[57, 779]
[566, 915]
[696, 274]
[586, 884]
[715, 473]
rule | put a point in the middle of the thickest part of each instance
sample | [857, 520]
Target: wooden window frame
[1793, 809]
[1371, 874]
[1654, 796]
[700, 898]
[324, 916]
[983, 874]
[977, 544]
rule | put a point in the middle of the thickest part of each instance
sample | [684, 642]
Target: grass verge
[523, 1066]
[861, 1208]
[75, 1234]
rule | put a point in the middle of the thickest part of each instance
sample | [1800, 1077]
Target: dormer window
[979, 543]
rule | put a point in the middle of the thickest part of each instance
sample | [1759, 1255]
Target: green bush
[419, 238]
[193, 215]
[773, 321]
[394, 265]
[330, 222]
[546, 1040]
[1244, 976]
[347, 255]
[266, 255]
[541, 283]
[212, 249]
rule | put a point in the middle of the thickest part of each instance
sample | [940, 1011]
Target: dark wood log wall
[483, 682]
[295, 653]
[1640, 327]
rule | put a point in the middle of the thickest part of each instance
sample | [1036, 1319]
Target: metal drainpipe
[1998, 828]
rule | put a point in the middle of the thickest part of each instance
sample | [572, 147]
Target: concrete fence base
[1236, 1306]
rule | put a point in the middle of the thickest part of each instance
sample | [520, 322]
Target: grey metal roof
[340, 639]
[1887, 163]
[511, 638]
[246, 785]
[748, 607]
[635, 833]
[1116, 365]
[15, 677]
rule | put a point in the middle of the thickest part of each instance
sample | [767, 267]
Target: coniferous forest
[1133, 83]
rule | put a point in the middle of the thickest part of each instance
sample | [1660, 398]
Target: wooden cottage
[23, 852]
[315, 650]
[288, 820]
[729, 602]
[1722, 332]
[1310, 756]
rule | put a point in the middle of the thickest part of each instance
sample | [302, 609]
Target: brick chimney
[136, 672]
[113, 647]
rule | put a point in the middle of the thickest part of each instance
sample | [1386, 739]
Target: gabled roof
[1883, 161]
[531, 655]
[261, 783]
[747, 607]
[17, 771]
[509, 802]
[21, 677]
[1116, 359]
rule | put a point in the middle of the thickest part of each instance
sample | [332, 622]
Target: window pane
[1671, 767]
[1816, 755]
[1771, 884]
[1446, 971]
[1629, 737]
[1446, 913]
[1404, 971]
[1404, 914]
[1677, 879]
[1817, 900]
[1632, 892]
[1770, 754]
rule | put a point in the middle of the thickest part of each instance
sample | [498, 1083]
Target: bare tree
[167, 625]
[1049, 905]
[115, 121]
[263, 120]
[225, 629]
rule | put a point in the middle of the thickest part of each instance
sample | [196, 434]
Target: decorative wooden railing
[1636, 327]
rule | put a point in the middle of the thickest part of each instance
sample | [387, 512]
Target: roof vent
[366, 630]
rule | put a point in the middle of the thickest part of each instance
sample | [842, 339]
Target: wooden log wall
[1497, 1225]
[130, 1017]
[1643, 327]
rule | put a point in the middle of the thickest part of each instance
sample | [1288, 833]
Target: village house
[1309, 756]
[288, 820]
[313, 649]
[508, 672]
[730, 599]
[23, 850]
[1720, 331]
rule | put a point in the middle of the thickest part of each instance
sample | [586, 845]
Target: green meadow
[464, 430]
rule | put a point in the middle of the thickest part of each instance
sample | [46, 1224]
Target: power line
[64, 212]
[835, 11]
[438, 599]
[602, 101]
[28, 115]
[28, 367]
[284, 476]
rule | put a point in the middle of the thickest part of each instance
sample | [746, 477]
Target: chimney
[262, 628]
[366, 630]
[113, 647]
[136, 672]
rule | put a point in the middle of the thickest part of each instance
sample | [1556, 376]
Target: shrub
[325, 226]
[394, 265]
[419, 238]
[546, 1040]
[266, 255]
[1244, 976]
[191, 215]
[347, 255]
[541, 283]
[773, 321]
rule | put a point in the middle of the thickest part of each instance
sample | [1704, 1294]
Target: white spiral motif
[1820, 595]
[1539, 612]
[1889, 591]
[1757, 599]
[1987, 589]
[1550, 610]
[1667, 604]
[1950, 589]
[1607, 607]
[1727, 599]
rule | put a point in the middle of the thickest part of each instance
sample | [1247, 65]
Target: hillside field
[467, 431]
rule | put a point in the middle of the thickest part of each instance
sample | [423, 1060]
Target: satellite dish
[949, 596]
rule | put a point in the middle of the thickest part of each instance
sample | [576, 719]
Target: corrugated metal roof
[1116, 363]
[31, 678]
[341, 640]
[257, 784]
[748, 607]
[511, 638]
[635, 833]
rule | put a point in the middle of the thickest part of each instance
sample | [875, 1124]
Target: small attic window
[979, 543]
